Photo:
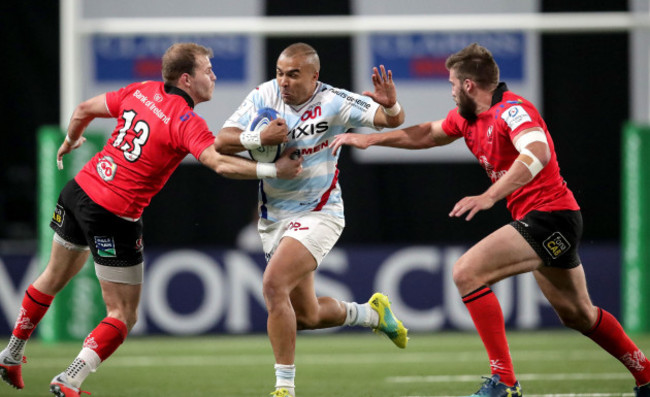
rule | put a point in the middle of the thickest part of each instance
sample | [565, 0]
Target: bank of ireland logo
[105, 246]
[106, 168]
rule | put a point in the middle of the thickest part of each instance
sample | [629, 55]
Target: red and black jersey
[489, 138]
[156, 129]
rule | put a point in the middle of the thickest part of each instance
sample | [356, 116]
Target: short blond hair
[181, 58]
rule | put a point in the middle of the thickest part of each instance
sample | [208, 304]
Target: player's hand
[275, 133]
[66, 148]
[359, 141]
[385, 93]
[471, 204]
[289, 165]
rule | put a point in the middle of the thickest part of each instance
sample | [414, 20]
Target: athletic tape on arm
[535, 165]
[530, 137]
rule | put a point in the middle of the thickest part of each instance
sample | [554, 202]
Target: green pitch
[549, 364]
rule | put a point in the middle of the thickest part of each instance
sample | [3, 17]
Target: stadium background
[585, 98]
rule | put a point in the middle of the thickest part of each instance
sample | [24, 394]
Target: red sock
[34, 307]
[609, 334]
[106, 337]
[486, 313]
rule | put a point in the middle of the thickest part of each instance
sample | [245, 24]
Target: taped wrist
[266, 170]
[71, 141]
[250, 139]
[393, 110]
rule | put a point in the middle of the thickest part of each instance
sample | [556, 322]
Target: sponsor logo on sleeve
[515, 116]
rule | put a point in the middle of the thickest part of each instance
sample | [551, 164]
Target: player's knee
[463, 277]
[273, 292]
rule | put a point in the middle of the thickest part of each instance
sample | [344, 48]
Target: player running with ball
[301, 221]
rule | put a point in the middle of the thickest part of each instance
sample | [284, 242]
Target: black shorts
[554, 236]
[112, 240]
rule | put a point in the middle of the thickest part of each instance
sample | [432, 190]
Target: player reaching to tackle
[512, 142]
[99, 211]
[301, 221]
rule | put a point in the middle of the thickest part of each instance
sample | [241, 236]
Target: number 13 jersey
[156, 129]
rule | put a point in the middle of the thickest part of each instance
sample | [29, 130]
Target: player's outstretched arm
[420, 136]
[390, 113]
[236, 167]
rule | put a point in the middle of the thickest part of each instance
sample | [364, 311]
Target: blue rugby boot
[493, 388]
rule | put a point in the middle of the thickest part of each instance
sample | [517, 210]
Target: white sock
[16, 348]
[285, 376]
[86, 362]
[361, 314]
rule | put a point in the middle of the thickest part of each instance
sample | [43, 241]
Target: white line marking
[520, 377]
[563, 395]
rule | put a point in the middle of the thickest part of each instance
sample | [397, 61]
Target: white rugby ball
[269, 153]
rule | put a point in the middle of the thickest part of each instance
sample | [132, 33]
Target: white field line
[140, 360]
[521, 377]
[564, 395]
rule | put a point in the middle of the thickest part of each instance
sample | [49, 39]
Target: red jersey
[489, 138]
[156, 129]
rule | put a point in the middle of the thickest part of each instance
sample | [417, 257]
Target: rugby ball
[269, 153]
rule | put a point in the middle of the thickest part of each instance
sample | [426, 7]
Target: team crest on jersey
[490, 134]
[105, 246]
[106, 168]
[556, 245]
[515, 116]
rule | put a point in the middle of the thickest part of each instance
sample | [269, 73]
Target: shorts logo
[105, 246]
[295, 226]
[58, 215]
[106, 168]
[139, 245]
[556, 245]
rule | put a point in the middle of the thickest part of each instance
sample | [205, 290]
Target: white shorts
[317, 231]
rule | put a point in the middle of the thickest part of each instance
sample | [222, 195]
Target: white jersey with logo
[312, 126]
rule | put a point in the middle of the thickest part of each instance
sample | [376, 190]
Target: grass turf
[547, 363]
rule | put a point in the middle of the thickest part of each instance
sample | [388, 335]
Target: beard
[466, 106]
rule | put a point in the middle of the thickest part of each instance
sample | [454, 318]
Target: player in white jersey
[300, 221]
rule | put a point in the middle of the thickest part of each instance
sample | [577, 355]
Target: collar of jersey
[170, 89]
[498, 93]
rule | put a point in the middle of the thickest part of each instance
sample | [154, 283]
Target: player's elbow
[394, 122]
[219, 144]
